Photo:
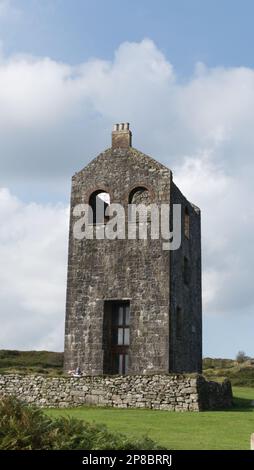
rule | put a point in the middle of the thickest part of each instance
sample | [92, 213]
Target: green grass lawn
[190, 430]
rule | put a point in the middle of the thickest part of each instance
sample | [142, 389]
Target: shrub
[24, 427]
[241, 357]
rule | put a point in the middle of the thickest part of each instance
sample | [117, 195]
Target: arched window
[99, 201]
[139, 195]
[139, 204]
[186, 223]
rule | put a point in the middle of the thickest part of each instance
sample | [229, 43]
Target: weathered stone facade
[138, 272]
[160, 392]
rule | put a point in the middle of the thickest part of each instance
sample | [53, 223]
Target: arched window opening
[99, 202]
[139, 195]
[186, 223]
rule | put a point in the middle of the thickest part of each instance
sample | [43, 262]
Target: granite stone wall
[186, 347]
[160, 392]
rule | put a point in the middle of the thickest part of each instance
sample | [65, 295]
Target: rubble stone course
[161, 392]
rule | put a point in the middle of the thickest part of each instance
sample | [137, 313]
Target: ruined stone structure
[132, 306]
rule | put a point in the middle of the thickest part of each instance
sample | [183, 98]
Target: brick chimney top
[121, 136]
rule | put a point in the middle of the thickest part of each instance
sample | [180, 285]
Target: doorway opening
[116, 337]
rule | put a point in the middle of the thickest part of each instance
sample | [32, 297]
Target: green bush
[24, 427]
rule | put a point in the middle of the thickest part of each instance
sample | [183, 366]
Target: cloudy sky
[182, 73]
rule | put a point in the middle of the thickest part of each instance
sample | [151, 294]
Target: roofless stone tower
[132, 306]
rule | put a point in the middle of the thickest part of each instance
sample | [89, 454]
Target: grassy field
[207, 430]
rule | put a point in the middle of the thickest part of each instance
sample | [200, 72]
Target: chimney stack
[121, 136]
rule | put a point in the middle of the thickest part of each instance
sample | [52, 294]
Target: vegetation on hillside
[239, 371]
[25, 427]
[38, 362]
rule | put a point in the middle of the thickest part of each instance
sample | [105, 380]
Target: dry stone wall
[161, 392]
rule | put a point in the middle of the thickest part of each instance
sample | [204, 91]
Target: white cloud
[54, 117]
[57, 109]
[33, 247]
[227, 225]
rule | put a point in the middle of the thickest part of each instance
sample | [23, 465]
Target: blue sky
[217, 33]
[182, 73]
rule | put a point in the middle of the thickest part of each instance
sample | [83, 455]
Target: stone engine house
[132, 306]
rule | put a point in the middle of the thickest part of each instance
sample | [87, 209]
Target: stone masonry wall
[161, 392]
[110, 270]
[186, 348]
